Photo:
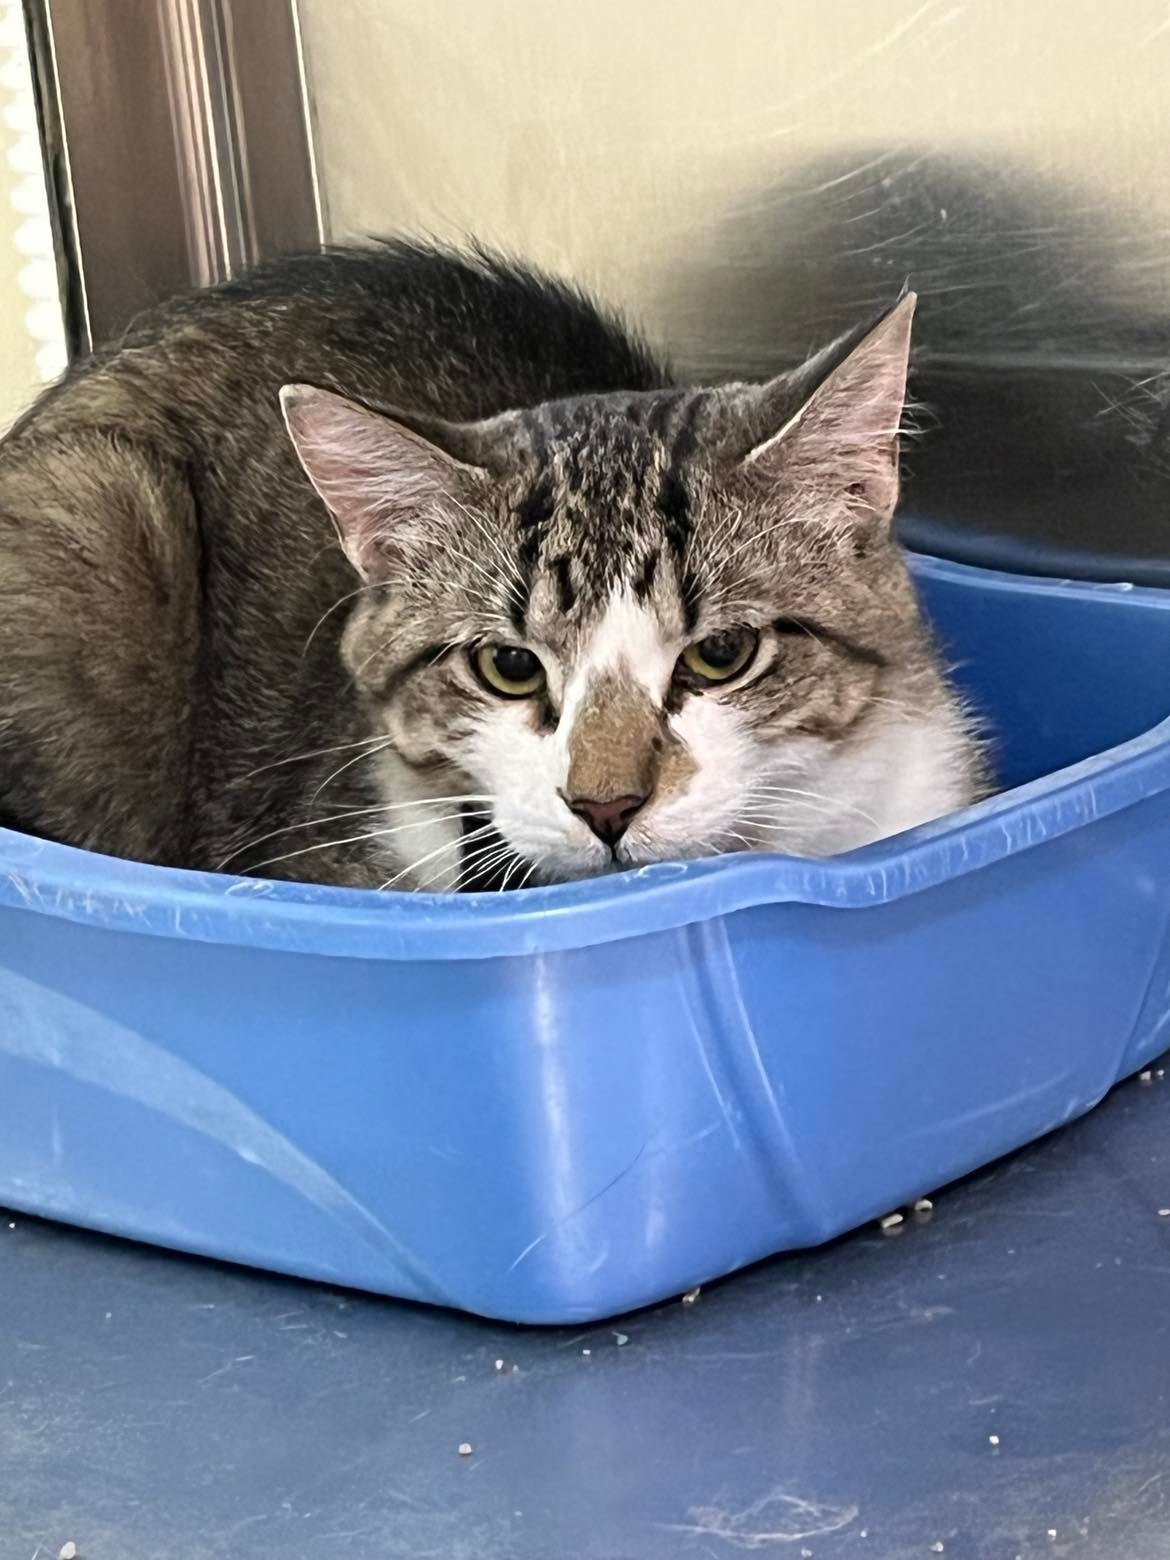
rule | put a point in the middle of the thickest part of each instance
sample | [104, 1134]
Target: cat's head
[645, 626]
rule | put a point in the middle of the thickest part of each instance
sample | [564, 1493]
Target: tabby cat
[493, 602]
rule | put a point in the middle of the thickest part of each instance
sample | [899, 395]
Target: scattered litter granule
[622, 1339]
[937, 1547]
[891, 1222]
[1147, 1076]
[465, 1448]
[499, 1364]
[67, 1551]
[692, 1295]
[923, 1206]
[993, 1440]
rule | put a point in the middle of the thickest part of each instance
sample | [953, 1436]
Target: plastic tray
[556, 1105]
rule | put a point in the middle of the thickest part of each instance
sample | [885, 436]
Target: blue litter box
[556, 1105]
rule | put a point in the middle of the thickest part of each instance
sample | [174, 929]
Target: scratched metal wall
[749, 180]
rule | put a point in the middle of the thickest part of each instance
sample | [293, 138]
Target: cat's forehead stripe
[606, 495]
[644, 579]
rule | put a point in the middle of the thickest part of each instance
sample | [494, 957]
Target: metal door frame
[179, 146]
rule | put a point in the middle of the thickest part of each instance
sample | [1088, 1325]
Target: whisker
[753, 541]
[299, 758]
[793, 837]
[755, 813]
[511, 576]
[519, 862]
[734, 529]
[899, 706]
[831, 802]
[510, 564]
[354, 839]
[477, 860]
[485, 848]
[430, 856]
[497, 582]
[329, 611]
[349, 763]
[486, 859]
[763, 802]
[441, 651]
[817, 639]
[734, 834]
[523, 883]
[355, 812]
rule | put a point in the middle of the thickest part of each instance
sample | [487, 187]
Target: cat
[402, 567]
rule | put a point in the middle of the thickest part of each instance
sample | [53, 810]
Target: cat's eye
[509, 670]
[720, 656]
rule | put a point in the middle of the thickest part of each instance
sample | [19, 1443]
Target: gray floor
[838, 1404]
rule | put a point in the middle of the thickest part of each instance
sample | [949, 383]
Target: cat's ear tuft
[843, 434]
[385, 486]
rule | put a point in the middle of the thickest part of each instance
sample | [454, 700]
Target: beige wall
[32, 341]
[686, 158]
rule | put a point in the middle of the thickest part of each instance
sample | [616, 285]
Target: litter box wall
[582, 1131]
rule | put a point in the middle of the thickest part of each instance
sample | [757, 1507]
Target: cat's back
[465, 334]
[459, 334]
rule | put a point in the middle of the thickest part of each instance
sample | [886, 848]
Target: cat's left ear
[388, 488]
[835, 423]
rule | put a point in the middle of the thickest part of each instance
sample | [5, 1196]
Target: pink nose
[608, 820]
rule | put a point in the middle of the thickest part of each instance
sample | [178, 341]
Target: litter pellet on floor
[1147, 1076]
[692, 1295]
[923, 1206]
[892, 1221]
[465, 1448]
[67, 1551]
[621, 1339]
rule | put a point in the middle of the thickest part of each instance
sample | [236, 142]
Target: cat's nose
[608, 820]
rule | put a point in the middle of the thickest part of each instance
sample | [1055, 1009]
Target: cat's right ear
[835, 423]
[385, 486]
